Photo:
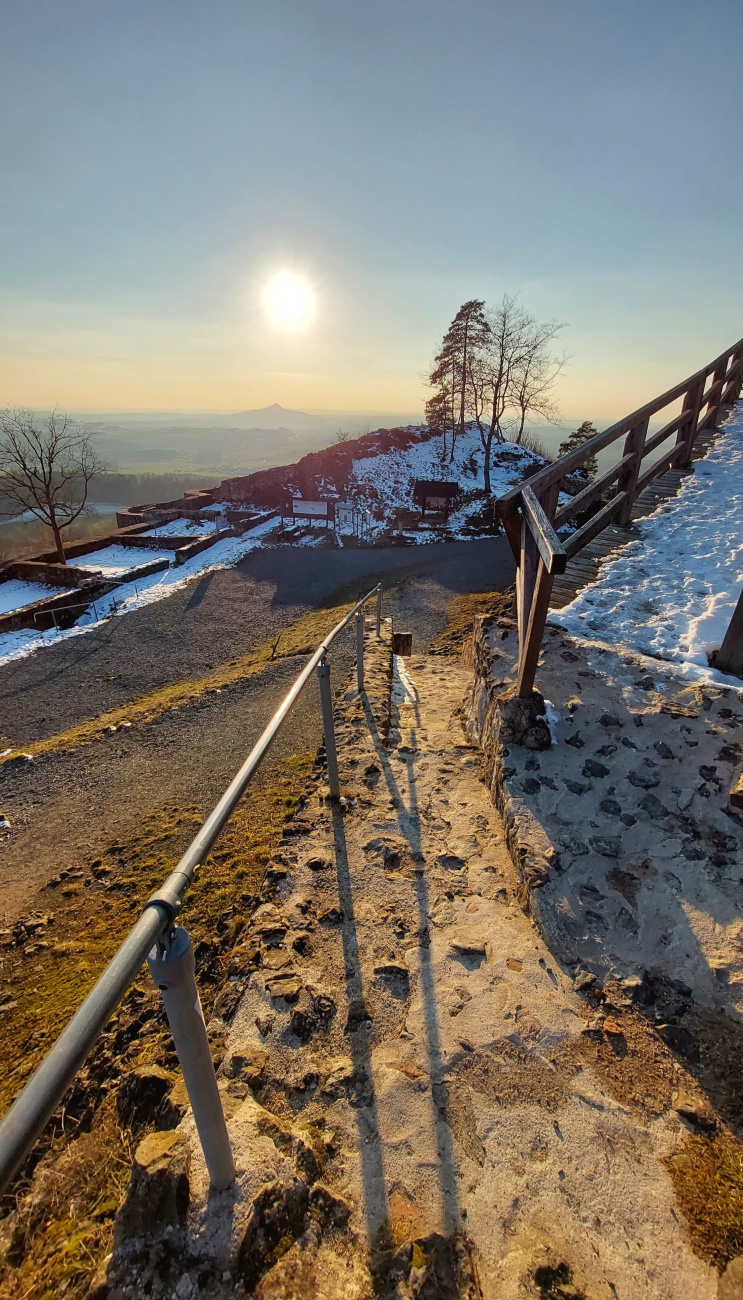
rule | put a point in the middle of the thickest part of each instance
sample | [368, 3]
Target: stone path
[410, 1076]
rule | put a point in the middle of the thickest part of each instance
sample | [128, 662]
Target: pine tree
[582, 434]
[450, 374]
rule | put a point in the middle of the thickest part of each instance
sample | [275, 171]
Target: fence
[531, 513]
[169, 955]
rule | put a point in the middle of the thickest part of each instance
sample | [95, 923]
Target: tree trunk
[57, 539]
[486, 462]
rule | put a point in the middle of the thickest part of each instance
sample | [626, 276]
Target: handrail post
[735, 383]
[688, 432]
[634, 446]
[172, 968]
[713, 412]
[328, 728]
[379, 610]
[360, 651]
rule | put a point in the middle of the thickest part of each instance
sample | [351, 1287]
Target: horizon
[216, 212]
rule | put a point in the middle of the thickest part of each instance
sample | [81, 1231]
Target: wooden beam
[729, 657]
[529, 657]
[594, 526]
[589, 493]
[660, 467]
[634, 448]
[549, 545]
[553, 473]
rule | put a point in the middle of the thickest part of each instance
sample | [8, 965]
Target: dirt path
[438, 1059]
[67, 807]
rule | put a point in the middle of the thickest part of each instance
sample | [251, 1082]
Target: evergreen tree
[582, 434]
[450, 374]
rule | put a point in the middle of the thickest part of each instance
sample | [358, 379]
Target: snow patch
[670, 595]
[17, 594]
[117, 559]
[134, 595]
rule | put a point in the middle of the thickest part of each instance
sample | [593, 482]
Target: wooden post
[730, 655]
[713, 414]
[634, 445]
[688, 432]
[732, 392]
[525, 583]
[529, 657]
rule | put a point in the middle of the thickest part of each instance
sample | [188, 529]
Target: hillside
[377, 472]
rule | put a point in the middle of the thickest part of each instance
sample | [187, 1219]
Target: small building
[434, 496]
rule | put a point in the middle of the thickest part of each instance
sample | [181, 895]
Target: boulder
[158, 1194]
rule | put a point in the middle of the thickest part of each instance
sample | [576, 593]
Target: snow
[388, 478]
[671, 594]
[135, 595]
[16, 594]
[183, 528]
[117, 559]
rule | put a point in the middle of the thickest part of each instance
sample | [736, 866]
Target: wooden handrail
[574, 460]
[548, 543]
[529, 510]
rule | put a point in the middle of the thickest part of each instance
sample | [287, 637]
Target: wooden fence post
[634, 446]
[713, 413]
[688, 432]
[732, 392]
[526, 578]
[730, 655]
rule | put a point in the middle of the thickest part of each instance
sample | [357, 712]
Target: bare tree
[511, 375]
[46, 467]
[535, 373]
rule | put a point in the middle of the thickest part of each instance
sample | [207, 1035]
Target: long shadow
[376, 1211]
[200, 591]
[408, 820]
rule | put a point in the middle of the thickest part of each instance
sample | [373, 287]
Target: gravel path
[219, 616]
[67, 806]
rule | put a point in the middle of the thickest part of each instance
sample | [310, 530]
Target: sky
[162, 160]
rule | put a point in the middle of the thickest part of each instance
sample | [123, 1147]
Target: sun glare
[288, 301]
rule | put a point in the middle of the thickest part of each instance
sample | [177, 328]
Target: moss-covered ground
[57, 1227]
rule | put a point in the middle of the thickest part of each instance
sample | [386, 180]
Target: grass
[299, 638]
[707, 1177]
[461, 613]
[63, 1226]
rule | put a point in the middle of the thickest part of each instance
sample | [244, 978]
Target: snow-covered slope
[672, 593]
[385, 482]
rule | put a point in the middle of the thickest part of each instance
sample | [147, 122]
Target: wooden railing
[531, 515]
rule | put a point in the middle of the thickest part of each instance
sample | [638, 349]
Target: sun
[288, 301]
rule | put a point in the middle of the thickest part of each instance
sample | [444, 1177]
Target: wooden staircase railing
[530, 513]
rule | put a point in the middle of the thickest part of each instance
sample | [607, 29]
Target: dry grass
[299, 638]
[461, 613]
[707, 1176]
[63, 1227]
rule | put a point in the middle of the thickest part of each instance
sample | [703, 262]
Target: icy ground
[16, 594]
[388, 479]
[672, 593]
[133, 595]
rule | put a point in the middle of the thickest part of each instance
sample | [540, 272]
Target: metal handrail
[44, 1091]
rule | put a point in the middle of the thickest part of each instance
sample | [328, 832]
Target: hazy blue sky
[160, 159]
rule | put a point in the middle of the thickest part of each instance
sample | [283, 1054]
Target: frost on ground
[134, 595]
[16, 594]
[671, 594]
[388, 479]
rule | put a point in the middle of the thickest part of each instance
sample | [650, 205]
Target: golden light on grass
[289, 301]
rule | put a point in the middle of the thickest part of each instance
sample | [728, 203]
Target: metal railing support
[360, 651]
[172, 967]
[38, 1100]
[379, 610]
[328, 728]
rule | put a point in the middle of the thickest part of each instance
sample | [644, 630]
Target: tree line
[495, 367]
